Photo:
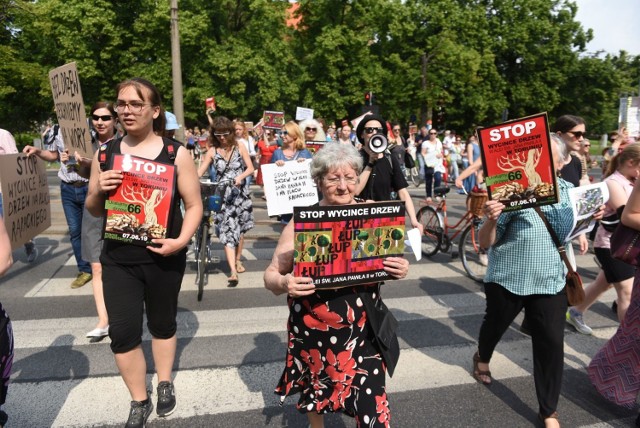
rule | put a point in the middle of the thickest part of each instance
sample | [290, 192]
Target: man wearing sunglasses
[382, 173]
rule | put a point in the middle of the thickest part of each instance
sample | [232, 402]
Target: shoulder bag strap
[561, 249]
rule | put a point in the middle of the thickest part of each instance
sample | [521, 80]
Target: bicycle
[436, 236]
[202, 240]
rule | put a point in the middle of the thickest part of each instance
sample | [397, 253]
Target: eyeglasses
[285, 132]
[372, 130]
[577, 134]
[105, 118]
[349, 181]
[311, 129]
[221, 134]
[134, 107]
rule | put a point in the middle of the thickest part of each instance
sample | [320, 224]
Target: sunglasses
[433, 133]
[105, 118]
[371, 130]
[396, 130]
[221, 134]
[578, 134]
[587, 145]
[311, 129]
[285, 132]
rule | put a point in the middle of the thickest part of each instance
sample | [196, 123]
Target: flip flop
[232, 280]
[240, 267]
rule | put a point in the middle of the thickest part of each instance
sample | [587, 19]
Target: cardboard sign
[585, 203]
[517, 162]
[67, 97]
[303, 113]
[257, 129]
[340, 246]
[288, 186]
[210, 104]
[314, 146]
[25, 197]
[273, 119]
[140, 209]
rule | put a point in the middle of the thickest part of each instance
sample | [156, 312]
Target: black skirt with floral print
[332, 360]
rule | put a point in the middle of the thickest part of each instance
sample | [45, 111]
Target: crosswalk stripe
[242, 388]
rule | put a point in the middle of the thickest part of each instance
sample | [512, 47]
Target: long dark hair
[155, 98]
[566, 123]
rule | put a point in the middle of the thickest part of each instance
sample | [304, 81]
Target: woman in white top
[433, 163]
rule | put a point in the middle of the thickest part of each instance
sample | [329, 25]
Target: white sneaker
[483, 259]
[98, 332]
[575, 319]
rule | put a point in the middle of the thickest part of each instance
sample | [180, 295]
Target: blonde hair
[295, 132]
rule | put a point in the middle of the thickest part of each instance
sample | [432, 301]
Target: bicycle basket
[476, 203]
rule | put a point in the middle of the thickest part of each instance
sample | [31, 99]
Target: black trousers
[546, 318]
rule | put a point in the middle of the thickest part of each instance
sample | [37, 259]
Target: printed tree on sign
[323, 242]
[396, 235]
[526, 161]
[386, 244]
[148, 198]
[378, 233]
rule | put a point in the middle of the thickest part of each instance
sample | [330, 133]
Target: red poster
[273, 119]
[340, 246]
[518, 167]
[139, 210]
[210, 104]
[314, 146]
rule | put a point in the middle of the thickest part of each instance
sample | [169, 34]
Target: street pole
[176, 67]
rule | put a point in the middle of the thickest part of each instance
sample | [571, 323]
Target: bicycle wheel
[433, 228]
[202, 257]
[474, 259]
[415, 176]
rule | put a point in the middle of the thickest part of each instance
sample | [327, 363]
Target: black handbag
[408, 161]
[384, 326]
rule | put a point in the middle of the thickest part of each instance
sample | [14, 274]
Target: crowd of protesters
[126, 276]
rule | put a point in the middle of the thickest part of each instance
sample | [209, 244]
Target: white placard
[303, 113]
[288, 186]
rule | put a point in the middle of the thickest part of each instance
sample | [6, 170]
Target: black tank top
[128, 254]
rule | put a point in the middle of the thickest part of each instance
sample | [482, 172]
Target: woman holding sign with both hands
[333, 358]
[137, 277]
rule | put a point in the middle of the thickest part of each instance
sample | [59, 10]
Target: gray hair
[335, 155]
[563, 150]
[320, 135]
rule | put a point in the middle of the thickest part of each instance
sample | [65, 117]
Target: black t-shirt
[572, 172]
[383, 179]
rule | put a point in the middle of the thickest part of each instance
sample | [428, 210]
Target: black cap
[368, 118]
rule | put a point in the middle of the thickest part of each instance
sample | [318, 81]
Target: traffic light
[368, 98]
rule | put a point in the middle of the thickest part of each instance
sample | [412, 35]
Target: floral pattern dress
[236, 215]
[332, 361]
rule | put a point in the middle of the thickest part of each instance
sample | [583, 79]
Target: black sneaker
[139, 414]
[3, 418]
[166, 399]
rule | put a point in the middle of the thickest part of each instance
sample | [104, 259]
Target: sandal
[553, 415]
[232, 280]
[477, 373]
[240, 267]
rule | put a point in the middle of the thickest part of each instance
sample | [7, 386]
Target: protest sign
[140, 209]
[257, 129]
[67, 97]
[273, 119]
[517, 162]
[303, 113]
[210, 104]
[25, 197]
[345, 245]
[288, 186]
[314, 146]
[585, 202]
[356, 121]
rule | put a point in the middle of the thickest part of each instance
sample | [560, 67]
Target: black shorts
[614, 269]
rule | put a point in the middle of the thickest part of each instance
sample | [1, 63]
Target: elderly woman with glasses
[230, 160]
[333, 360]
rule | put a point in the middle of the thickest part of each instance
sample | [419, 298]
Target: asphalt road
[232, 347]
